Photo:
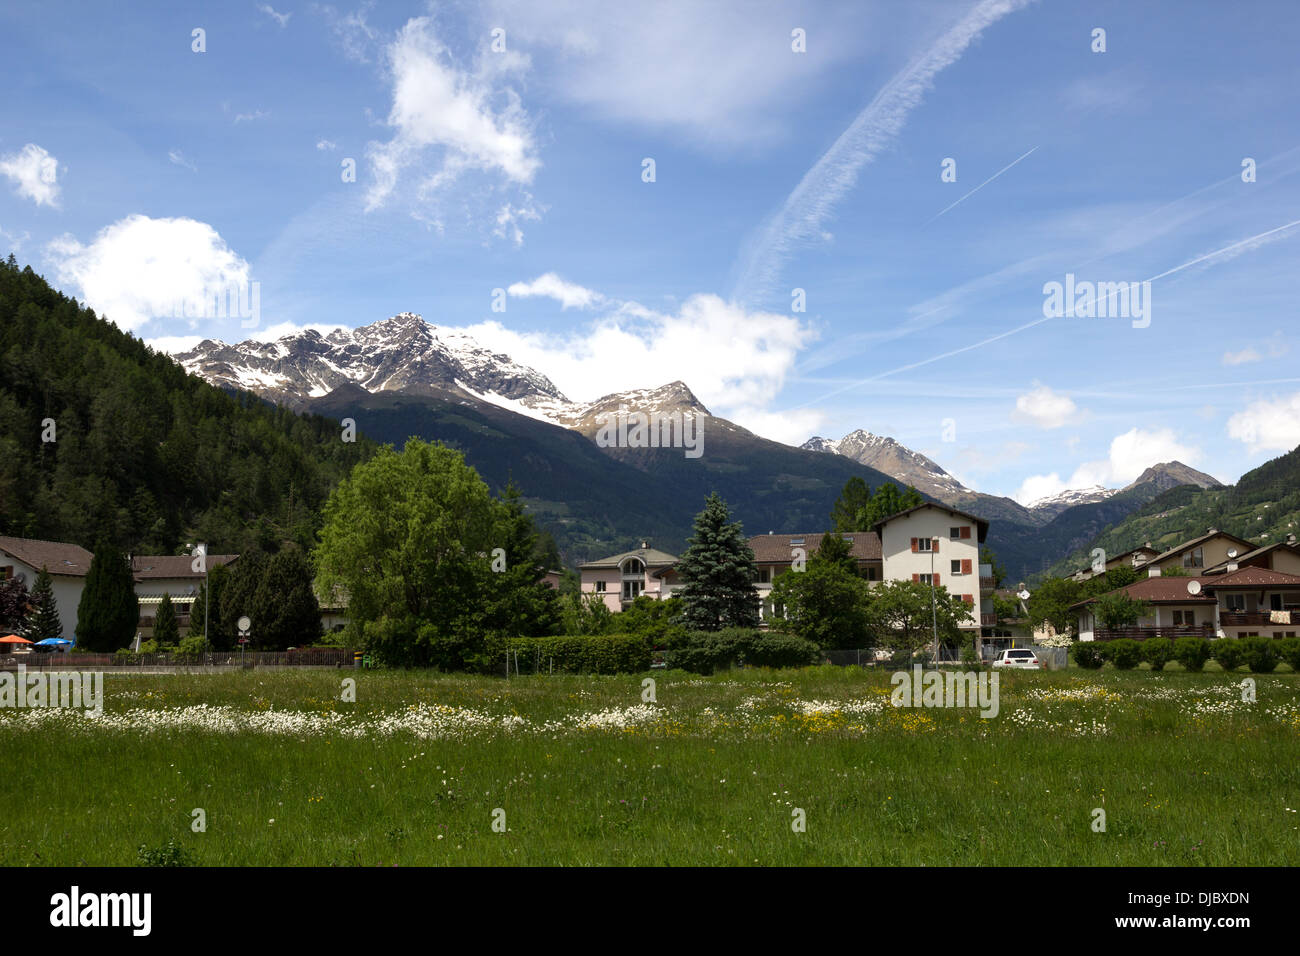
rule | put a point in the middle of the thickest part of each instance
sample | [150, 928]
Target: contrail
[801, 216]
[977, 188]
[1030, 325]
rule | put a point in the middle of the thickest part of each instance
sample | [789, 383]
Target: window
[923, 544]
[873, 574]
[764, 575]
[600, 587]
[1184, 618]
[796, 542]
[632, 590]
[6, 572]
[956, 566]
[954, 534]
[925, 578]
[1194, 558]
[1235, 602]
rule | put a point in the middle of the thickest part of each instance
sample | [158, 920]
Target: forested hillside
[143, 452]
[1264, 506]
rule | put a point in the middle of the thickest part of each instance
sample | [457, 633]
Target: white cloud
[35, 172]
[734, 360]
[509, 217]
[720, 72]
[178, 159]
[325, 144]
[437, 106]
[280, 18]
[1045, 408]
[1268, 424]
[274, 333]
[1130, 454]
[138, 267]
[568, 294]
[357, 38]
[249, 117]
[1241, 358]
[174, 344]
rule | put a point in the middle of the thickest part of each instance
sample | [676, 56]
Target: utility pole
[934, 614]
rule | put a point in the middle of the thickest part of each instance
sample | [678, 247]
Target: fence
[311, 657]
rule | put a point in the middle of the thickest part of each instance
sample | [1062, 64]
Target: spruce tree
[165, 629]
[15, 607]
[109, 612]
[719, 573]
[43, 621]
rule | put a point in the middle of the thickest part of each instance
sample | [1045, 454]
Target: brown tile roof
[776, 548]
[55, 556]
[1161, 590]
[1252, 578]
[147, 566]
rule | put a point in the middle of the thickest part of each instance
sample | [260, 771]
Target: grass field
[711, 773]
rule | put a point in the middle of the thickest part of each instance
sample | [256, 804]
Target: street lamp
[201, 550]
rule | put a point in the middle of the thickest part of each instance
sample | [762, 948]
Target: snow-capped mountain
[898, 461]
[1055, 504]
[408, 355]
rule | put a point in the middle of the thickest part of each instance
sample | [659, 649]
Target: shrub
[123, 655]
[191, 648]
[1192, 652]
[782, 650]
[1158, 651]
[703, 652]
[150, 647]
[1087, 654]
[170, 853]
[1229, 653]
[1259, 654]
[574, 654]
[1125, 653]
[1288, 649]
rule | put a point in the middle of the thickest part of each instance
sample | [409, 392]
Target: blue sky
[135, 170]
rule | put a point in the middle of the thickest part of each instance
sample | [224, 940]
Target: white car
[1017, 657]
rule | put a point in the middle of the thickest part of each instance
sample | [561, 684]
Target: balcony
[1145, 633]
[1256, 619]
[988, 620]
[986, 577]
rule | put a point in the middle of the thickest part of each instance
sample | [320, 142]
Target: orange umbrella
[14, 639]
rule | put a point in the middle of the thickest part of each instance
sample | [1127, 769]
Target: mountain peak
[896, 460]
[1169, 474]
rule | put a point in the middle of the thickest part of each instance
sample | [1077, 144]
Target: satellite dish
[1193, 587]
[1232, 552]
[20, 577]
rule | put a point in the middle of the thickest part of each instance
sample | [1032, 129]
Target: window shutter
[965, 566]
[969, 599]
[914, 546]
[936, 579]
[935, 544]
[916, 578]
[965, 531]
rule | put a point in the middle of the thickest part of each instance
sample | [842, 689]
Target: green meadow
[431, 769]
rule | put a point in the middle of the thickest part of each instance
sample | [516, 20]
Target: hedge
[1260, 654]
[575, 654]
[1229, 653]
[1087, 654]
[703, 652]
[1192, 652]
[1157, 651]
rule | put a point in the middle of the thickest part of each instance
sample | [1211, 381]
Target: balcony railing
[1143, 633]
[988, 620]
[1255, 619]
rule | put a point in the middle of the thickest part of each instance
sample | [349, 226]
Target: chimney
[1153, 572]
[1290, 539]
[1232, 566]
[644, 545]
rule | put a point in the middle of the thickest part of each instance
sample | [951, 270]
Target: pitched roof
[981, 523]
[1161, 590]
[56, 556]
[1193, 542]
[1251, 555]
[653, 558]
[1252, 578]
[145, 567]
[776, 548]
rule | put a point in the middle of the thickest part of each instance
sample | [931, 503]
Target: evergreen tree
[835, 550]
[284, 605]
[848, 508]
[719, 573]
[109, 612]
[887, 501]
[15, 607]
[205, 618]
[165, 629]
[43, 622]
